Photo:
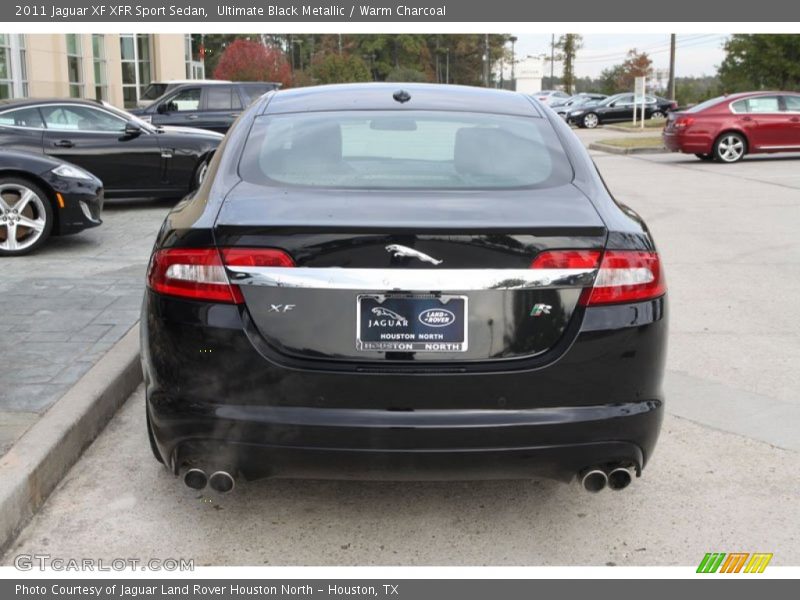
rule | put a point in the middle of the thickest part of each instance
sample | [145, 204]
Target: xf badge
[280, 308]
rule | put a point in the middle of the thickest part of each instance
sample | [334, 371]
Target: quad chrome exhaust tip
[619, 478]
[195, 479]
[593, 480]
[221, 481]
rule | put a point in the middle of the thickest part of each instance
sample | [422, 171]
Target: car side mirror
[162, 108]
[132, 128]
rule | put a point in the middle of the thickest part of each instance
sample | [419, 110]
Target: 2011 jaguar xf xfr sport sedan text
[403, 282]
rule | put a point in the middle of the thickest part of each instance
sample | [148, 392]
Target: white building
[529, 72]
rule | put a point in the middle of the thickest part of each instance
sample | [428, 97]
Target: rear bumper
[687, 142]
[215, 402]
[256, 461]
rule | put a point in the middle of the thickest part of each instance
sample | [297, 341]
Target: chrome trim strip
[413, 280]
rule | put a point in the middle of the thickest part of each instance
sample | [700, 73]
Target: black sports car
[619, 108]
[562, 109]
[42, 196]
[131, 157]
[403, 282]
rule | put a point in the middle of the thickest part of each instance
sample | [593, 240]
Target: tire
[705, 156]
[152, 439]
[657, 114]
[200, 174]
[590, 121]
[36, 210]
[730, 147]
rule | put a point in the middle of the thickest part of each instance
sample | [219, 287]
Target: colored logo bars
[735, 562]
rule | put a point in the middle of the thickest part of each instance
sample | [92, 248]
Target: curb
[38, 460]
[617, 150]
[632, 130]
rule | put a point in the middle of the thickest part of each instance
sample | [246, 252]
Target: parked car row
[729, 127]
[616, 108]
[61, 157]
[590, 110]
[564, 106]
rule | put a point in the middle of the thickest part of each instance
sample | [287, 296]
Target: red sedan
[728, 127]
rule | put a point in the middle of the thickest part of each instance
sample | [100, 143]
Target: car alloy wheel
[730, 148]
[657, 114]
[25, 217]
[200, 175]
[591, 121]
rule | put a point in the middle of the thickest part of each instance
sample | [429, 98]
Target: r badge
[540, 309]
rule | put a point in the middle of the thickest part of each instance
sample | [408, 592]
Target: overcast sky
[697, 54]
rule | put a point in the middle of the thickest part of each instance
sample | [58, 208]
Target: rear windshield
[154, 90]
[704, 105]
[254, 91]
[400, 150]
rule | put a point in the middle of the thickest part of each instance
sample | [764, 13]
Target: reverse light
[199, 273]
[626, 276]
[567, 259]
[256, 257]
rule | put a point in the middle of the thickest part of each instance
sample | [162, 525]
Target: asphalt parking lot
[66, 305]
[724, 476]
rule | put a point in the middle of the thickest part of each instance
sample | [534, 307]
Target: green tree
[568, 46]
[692, 90]
[622, 77]
[761, 61]
[335, 68]
[406, 74]
[607, 84]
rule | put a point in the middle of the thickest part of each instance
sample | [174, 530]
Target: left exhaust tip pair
[219, 481]
[595, 480]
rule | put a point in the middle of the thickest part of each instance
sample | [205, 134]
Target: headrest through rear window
[318, 142]
[491, 151]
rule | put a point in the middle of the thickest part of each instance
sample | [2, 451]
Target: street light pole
[672, 67]
[486, 62]
[513, 60]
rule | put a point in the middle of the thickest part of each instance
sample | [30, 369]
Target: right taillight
[682, 122]
[626, 276]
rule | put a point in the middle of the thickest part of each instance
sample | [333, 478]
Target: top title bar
[393, 11]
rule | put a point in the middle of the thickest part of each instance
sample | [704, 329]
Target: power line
[654, 50]
[616, 54]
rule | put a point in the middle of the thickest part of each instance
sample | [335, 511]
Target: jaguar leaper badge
[397, 250]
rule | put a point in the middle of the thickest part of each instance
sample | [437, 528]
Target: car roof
[739, 95]
[380, 96]
[21, 102]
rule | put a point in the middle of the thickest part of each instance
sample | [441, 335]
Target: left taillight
[199, 273]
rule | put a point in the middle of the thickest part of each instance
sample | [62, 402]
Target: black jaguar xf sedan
[42, 196]
[403, 282]
[131, 157]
